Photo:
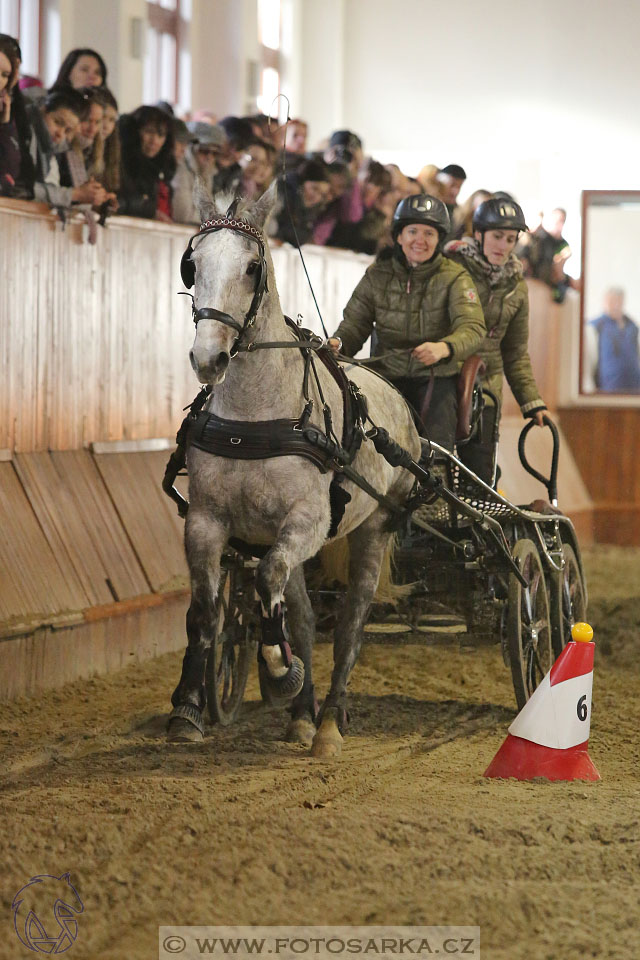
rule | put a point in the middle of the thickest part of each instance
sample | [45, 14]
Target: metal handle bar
[551, 482]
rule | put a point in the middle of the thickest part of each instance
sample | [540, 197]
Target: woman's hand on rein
[430, 353]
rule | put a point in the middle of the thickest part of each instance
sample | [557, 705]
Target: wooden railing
[94, 341]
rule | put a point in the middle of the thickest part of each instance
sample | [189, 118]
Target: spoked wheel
[568, 599]
[231, 649]
[528, 623]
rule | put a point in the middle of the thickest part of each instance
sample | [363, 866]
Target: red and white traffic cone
[550, 736]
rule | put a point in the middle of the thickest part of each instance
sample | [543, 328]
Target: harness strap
[281, 345]
[254, 440]
[210, 313]
[426, 401]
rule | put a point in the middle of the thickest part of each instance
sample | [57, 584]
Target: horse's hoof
[327, 742]
[279, 690]
[302, 730]
[185, 725]
[181, 731]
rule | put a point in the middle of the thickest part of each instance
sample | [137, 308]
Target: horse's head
[228, 267]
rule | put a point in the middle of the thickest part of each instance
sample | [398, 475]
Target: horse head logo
[43, 913]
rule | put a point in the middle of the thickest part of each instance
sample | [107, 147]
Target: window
[269, 17]
[167, 66]
[21, 19]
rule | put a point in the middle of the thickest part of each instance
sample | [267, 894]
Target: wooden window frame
[171, 22]
[18, 8]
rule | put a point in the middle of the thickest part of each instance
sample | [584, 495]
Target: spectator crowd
[69, 147]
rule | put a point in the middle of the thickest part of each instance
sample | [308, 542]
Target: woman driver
[425, 311]
[497, 274]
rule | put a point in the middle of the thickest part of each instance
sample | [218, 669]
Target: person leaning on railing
[9, 142]
[148, 164]
[425, 312]
[198, 146]
[109, 174]
[84, 160]
[54, 122]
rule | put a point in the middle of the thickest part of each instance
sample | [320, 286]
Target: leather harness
[264, 439]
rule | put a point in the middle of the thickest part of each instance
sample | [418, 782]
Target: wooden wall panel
[94, 340]
[150, 518]
[36, 582]
[107, 537]
[546, 326]
[53, 503]
[606, 446]
[49, 658]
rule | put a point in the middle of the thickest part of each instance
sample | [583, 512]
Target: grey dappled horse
[281, 502]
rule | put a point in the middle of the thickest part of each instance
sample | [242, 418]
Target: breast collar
[187, 271]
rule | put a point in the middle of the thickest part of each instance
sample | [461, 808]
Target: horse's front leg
[301, 535]
[204, 542]
[304, 708]
[367, 545]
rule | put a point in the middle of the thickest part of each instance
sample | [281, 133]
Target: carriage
[508, 574]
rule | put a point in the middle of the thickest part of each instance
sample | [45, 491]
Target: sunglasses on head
[207, 151]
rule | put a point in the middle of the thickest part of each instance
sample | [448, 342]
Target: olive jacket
[505, 302]
[435, 301]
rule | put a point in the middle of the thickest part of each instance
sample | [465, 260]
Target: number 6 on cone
[550, 736]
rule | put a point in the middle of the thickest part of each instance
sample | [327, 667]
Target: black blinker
[187, 268]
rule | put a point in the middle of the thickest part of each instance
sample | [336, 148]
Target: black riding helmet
[422, 208]
[499, 214]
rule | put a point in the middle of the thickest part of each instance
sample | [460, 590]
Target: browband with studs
[234, 225]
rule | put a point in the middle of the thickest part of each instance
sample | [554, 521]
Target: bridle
[187, 271]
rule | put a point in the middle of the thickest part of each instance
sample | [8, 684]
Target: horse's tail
[334, 559]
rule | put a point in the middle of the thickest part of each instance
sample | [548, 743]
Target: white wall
[324, 50]
[539, 99]
[224, 38]
[105, 26]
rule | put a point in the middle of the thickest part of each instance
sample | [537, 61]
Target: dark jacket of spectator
[14, 127]
[10, 157]
[543, 255]
[303, 197]
[146, 181]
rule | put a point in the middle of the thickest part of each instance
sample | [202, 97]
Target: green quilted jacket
[505, 348]
[434, 301]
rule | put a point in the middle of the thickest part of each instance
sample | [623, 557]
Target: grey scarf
[468, 247]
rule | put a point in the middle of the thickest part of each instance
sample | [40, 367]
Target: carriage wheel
[528, 623]
[230, 653]
[568, 599]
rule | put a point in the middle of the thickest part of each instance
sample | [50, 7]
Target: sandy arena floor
[402, 829]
